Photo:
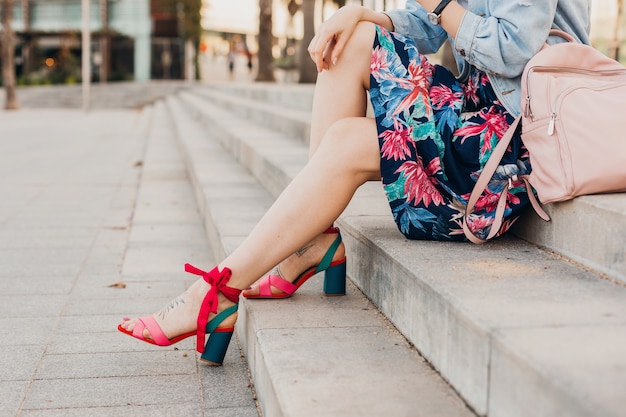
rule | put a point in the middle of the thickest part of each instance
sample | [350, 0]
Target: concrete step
[273, 157]
[113, 95]
[294, 122]
[590, 230]
[598, 240]
[309, 355]
[294, 96]
[516, 330]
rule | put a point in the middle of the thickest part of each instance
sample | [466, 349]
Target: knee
[362, 38]
[353, 143]
[340, 138]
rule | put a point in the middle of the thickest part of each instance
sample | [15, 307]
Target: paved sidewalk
[87, 201]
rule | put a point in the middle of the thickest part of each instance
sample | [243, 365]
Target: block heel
[216, 346]
[335, 279]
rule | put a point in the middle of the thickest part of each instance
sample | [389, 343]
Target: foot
[299, 262]
[179, 316]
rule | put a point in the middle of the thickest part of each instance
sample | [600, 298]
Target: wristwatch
[435, 16]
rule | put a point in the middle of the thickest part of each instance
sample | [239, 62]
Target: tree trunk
[26, 40]
[7, 52]
[105, 42]
[308, 72]
[265, 57]
[617, 39]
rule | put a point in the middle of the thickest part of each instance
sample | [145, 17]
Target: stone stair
[532, 327]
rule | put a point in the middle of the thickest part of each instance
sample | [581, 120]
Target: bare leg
[347, 157]
[340, 93]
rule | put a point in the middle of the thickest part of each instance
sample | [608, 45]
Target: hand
[332, 36]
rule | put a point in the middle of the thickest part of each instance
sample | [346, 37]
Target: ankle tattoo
[171, 306]
[300, 252]
[278, 272]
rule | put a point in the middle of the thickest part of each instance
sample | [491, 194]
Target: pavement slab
[90, 200]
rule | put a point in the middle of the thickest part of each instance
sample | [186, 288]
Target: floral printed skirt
[436, 134]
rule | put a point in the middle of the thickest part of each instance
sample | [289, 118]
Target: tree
[266, 41]
[618, 28]
[7, 53]
[308, 72]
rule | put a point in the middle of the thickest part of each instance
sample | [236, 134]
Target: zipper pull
[528, 113]
[551, 124]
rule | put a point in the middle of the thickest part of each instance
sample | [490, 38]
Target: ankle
[224, 302]
[312, 254]
[325, 241]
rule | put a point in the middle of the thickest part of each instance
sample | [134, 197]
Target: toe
[128, 323]
[251, 291]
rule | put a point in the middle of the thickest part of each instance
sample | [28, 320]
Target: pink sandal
[215, 348]
[334, 277]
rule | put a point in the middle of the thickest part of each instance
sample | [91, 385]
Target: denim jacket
[498, 36]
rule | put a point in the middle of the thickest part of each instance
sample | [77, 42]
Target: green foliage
[188, 11]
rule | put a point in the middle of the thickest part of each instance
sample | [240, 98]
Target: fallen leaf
[118, 285]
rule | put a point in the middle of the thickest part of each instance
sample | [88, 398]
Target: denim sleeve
[503, 37]
[413, 23]
[498, 36]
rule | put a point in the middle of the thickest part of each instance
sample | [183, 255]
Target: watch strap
[442, 5]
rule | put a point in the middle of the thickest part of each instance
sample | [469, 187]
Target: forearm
[380, 19]
[451, 16]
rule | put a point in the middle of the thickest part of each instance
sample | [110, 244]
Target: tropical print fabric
[435, 136]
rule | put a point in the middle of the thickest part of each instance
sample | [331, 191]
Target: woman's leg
[340, 93]
[325, 186]
[348, 157]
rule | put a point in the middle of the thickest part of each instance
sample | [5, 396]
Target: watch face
[434, 19]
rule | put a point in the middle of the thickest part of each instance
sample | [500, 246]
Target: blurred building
[49, 39]
[131, 40]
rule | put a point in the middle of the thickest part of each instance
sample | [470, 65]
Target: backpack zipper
[528, 113]
[557, 103]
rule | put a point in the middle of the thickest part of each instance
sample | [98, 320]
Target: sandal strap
[266, 284]
[278, 282]
[217, 280]
[327, 259]
[217, 320]
[156, 334]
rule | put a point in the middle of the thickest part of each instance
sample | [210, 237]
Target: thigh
[341, 91]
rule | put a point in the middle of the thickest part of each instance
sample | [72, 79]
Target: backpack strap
[483, 182]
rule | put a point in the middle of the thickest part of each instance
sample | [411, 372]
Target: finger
[337, 49]
[314, 52]
[323, 41]
[320, 56]
[328, 53]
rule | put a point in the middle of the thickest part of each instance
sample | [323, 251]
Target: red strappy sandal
[216, 346]
[334, 276]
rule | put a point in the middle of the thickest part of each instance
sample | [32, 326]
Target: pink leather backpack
[573, 125]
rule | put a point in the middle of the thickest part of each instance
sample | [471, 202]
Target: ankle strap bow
[217, 280]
